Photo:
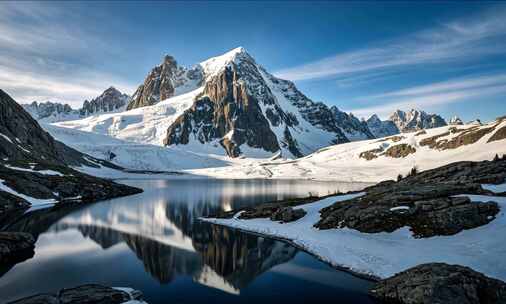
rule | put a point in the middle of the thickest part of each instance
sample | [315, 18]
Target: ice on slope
[384, 254]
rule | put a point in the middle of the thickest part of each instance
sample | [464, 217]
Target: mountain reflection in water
[159, 226]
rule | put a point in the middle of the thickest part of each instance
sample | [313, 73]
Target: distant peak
[215, 64]
[169, 59]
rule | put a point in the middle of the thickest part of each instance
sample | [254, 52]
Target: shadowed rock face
[226, 108]
[353, 128]
[439, 283]
[15, 247]
[425, 202]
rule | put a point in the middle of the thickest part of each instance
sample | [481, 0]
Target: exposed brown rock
[498, 135]
[440, 283]
[398, 151]
[370, 154]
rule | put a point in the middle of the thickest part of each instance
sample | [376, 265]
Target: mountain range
[109, 101]
[230, 105]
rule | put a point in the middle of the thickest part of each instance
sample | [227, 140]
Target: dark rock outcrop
[84, 294]
[110, 100]
[427, 202]
[287, 214]
[440, 283]
[15, 247]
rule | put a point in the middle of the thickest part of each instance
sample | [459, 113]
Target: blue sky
[444, 57]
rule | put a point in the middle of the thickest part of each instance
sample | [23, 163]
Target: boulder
[287, 214]
[436, 283]
[15, 245]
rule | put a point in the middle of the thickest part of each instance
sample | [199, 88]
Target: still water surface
[152, 242]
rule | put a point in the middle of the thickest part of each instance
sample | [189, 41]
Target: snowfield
[339, 162]
[384, 254]
[147, 125]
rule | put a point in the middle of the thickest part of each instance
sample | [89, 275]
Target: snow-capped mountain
[416, 120]
[109, 101]
[230, 105]
[381, 128]
[225, 105]
[353, 128]
[455, 120]
[164, 81]
[51, 111]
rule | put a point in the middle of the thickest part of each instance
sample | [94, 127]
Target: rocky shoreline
[431, 203]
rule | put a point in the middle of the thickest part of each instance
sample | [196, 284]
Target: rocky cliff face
[162, 83]
[110, 100]
[241, 104]
[380, 128]
[416, 120]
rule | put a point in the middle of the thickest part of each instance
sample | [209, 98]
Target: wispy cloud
[434, 94]
[45, 56]
[454, 41]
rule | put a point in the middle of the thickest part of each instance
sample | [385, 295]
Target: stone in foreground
[287, 214]
[84, 294]
[436, 283]
[15, 246]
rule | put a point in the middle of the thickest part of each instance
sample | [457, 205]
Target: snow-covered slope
[363, 161]
[381, 159]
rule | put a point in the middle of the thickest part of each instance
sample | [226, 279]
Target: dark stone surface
[15, 246]
[287, 214]
[438, 283]
[427, 200]
[84, 294]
